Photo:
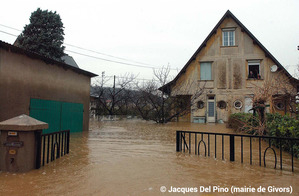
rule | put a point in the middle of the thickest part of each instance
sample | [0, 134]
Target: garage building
[48, 90]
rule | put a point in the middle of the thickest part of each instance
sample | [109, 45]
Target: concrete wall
[22, 78]
[24, 158]
[229, 72]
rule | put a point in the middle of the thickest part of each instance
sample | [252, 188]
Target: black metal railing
[51, 146]
[185, 140]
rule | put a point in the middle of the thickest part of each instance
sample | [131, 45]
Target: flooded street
[137, 158]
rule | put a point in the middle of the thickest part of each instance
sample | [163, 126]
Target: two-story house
[230, 65]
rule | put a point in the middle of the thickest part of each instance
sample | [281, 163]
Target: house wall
[229, 72]
[22, 78]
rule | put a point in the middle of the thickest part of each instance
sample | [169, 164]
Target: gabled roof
[34, 55]
[228, 14]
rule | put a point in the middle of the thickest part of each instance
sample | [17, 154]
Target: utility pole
[103, 75]
[113, 97]
[114, 85]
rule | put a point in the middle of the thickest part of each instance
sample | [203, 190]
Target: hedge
[276, 125]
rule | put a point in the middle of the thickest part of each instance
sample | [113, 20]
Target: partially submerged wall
[22, 78]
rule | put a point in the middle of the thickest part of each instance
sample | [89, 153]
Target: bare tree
[142, 98]
[155, 102]
[151, 100]
[277, 89]
[112, 100]
[98, 91]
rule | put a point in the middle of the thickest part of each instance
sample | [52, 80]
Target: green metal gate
[59, 115]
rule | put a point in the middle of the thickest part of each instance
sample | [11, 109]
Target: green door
[59, 115]
[72, 116]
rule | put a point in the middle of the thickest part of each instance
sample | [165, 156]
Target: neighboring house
[231, 65]
[93, 106]
[48, 90]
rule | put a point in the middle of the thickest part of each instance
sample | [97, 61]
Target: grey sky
[157, 32]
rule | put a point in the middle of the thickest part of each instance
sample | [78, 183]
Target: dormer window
[228, 37]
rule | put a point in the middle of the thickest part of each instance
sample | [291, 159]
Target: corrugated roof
[34, 55]
[228, 14]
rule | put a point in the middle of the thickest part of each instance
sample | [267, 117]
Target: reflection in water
[137, 158]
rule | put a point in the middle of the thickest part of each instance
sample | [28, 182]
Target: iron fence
[51, 146]
[185, 140]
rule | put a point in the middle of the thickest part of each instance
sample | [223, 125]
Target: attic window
[228, 37]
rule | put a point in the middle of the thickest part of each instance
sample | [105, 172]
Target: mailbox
[19, 143]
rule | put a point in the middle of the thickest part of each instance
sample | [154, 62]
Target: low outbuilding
[48, 90]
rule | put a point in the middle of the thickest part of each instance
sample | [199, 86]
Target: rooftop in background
[69, 60]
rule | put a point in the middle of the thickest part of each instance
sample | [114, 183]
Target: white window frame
[233, 30]
[240, 102]
[252, 63]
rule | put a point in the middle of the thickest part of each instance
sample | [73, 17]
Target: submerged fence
[51, 146]
[208, 141]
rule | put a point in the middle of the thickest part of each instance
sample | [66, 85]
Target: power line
[10, 27]
[119, 62]
[90, 56]
[109, 77]
[81, 48]
[8, 33]
[129, 64]
[108, 60]
[105, 54]
[100, 59]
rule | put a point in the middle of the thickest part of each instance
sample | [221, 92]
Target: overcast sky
[156, 32]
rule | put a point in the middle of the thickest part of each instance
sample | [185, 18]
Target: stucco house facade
[230, 66]
[48, 90]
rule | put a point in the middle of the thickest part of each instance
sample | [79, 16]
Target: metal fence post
[68, 142]
[178, 141]
[232, 147]
[38, 141]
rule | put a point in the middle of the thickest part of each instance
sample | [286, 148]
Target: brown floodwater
[138, 158]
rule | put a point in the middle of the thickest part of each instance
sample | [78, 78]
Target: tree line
[147, 100]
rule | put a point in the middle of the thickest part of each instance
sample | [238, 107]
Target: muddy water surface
[137, 158]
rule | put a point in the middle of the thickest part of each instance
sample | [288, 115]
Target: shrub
[276, 125]
[284, 126]
[243, 122]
